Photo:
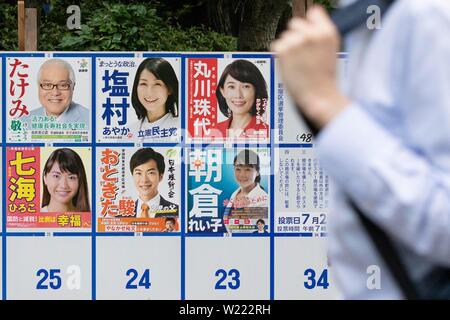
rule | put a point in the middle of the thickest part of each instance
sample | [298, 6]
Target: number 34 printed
[312, 282]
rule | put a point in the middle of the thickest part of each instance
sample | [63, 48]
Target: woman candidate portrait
[154, 97]
[65, 187]
[242, 97]
[250, 193]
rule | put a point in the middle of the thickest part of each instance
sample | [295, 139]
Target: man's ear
[161, 176]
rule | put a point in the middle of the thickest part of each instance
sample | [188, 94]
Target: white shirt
[390, 150]
[257, 197]
[168, 121]
[153, 205]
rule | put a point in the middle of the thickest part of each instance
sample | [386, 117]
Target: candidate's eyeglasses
[60, 86]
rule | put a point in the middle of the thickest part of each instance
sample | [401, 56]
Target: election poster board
[216, 180]
[48, 268]
[2, 72]
[125, 86]
[48, 188]
[228, 99]
[40, 87]
[289, 126]
[126, 180]
[302, 194]
[158, 175]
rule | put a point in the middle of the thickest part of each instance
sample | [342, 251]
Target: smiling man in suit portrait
[147, 167]
[56, 82]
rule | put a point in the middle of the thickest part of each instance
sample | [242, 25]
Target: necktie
[144, 211]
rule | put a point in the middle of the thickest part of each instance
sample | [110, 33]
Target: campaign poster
[138, 189]
[302, 192]
[290, 126]
[48, 99]
[138, 99]
[48, 188]
[228, 99]
[228, 190]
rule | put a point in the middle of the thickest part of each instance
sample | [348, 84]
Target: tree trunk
[32, 10]
[225, 15]
[219, 15]
[299, 7]
[259, 24]
[284, 19]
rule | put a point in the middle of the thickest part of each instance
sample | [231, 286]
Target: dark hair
[163, 71]
[262, 221]
[248, 158]
[244, 71]
[68, 161]
[145, 155]
[170, 219]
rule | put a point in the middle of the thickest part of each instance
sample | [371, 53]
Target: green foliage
[126, 25]
[115, 27]
[197, 39]
[8, 27]
[328, 4]
[138, 28]
[122, 26]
